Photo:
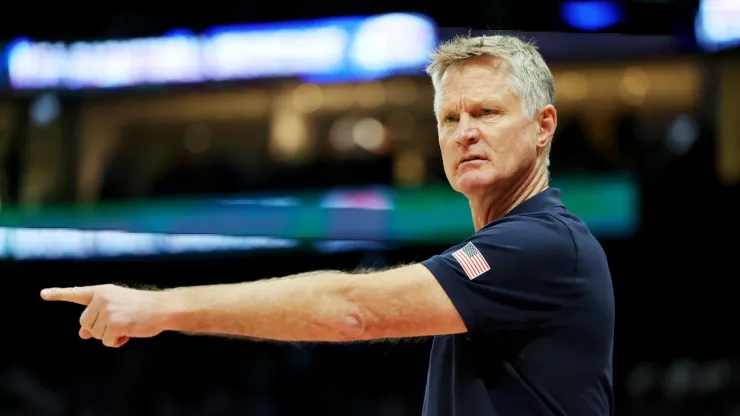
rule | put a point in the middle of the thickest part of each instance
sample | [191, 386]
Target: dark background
[675, 352]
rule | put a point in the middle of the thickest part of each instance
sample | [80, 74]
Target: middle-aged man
[522, 311]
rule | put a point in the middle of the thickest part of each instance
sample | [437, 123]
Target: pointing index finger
[78, 295]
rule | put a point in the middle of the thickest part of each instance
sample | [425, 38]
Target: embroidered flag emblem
[471, 260]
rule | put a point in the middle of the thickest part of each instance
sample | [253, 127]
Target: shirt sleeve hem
[447, 281]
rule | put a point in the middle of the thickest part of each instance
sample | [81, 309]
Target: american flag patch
[471, 261]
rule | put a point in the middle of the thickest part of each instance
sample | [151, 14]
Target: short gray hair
[530, 78]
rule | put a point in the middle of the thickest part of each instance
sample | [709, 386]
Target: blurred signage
[333, 220]
[51, 244]
[349, 48]
[372, 199]
[717, 24]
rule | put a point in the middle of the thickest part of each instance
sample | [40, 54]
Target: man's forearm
[311, 307]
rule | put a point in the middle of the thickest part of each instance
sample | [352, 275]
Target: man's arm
[324, 306]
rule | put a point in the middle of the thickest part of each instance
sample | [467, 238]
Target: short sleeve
[514, 274]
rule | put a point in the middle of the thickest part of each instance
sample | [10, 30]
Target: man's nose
[467, 132]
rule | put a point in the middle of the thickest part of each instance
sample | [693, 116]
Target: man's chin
[472, 185]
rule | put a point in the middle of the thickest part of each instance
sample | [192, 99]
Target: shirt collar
[547, 200]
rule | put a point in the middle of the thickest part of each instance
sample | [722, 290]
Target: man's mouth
[472, 159]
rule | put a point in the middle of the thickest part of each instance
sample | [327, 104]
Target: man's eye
[450, 119]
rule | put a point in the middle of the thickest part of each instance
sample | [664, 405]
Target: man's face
[485, 138]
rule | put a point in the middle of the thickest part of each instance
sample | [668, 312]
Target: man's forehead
[467, 97]
[473, 88]
[474, 66]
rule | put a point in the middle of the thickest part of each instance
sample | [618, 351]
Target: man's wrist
[173, 310]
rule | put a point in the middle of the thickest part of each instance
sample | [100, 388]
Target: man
[522, 311]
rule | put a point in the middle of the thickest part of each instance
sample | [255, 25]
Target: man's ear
[547, 122]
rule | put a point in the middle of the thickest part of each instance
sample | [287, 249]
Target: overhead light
[591, 15]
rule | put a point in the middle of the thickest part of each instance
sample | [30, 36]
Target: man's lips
[472, 158]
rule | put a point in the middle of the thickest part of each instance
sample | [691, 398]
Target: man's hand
[114, 314]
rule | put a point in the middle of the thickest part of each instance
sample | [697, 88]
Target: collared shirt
[535, 293]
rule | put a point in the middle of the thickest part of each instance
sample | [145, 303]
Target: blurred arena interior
[247, 142]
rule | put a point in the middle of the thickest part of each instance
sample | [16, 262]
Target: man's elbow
[352, 326]
[357, 324]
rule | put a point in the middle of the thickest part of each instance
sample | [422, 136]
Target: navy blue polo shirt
[536, 296]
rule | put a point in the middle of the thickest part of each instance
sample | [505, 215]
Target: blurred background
[237, 141]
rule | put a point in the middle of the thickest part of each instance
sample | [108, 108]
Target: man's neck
[494, 205]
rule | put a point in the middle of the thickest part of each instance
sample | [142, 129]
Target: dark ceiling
[87, 21]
